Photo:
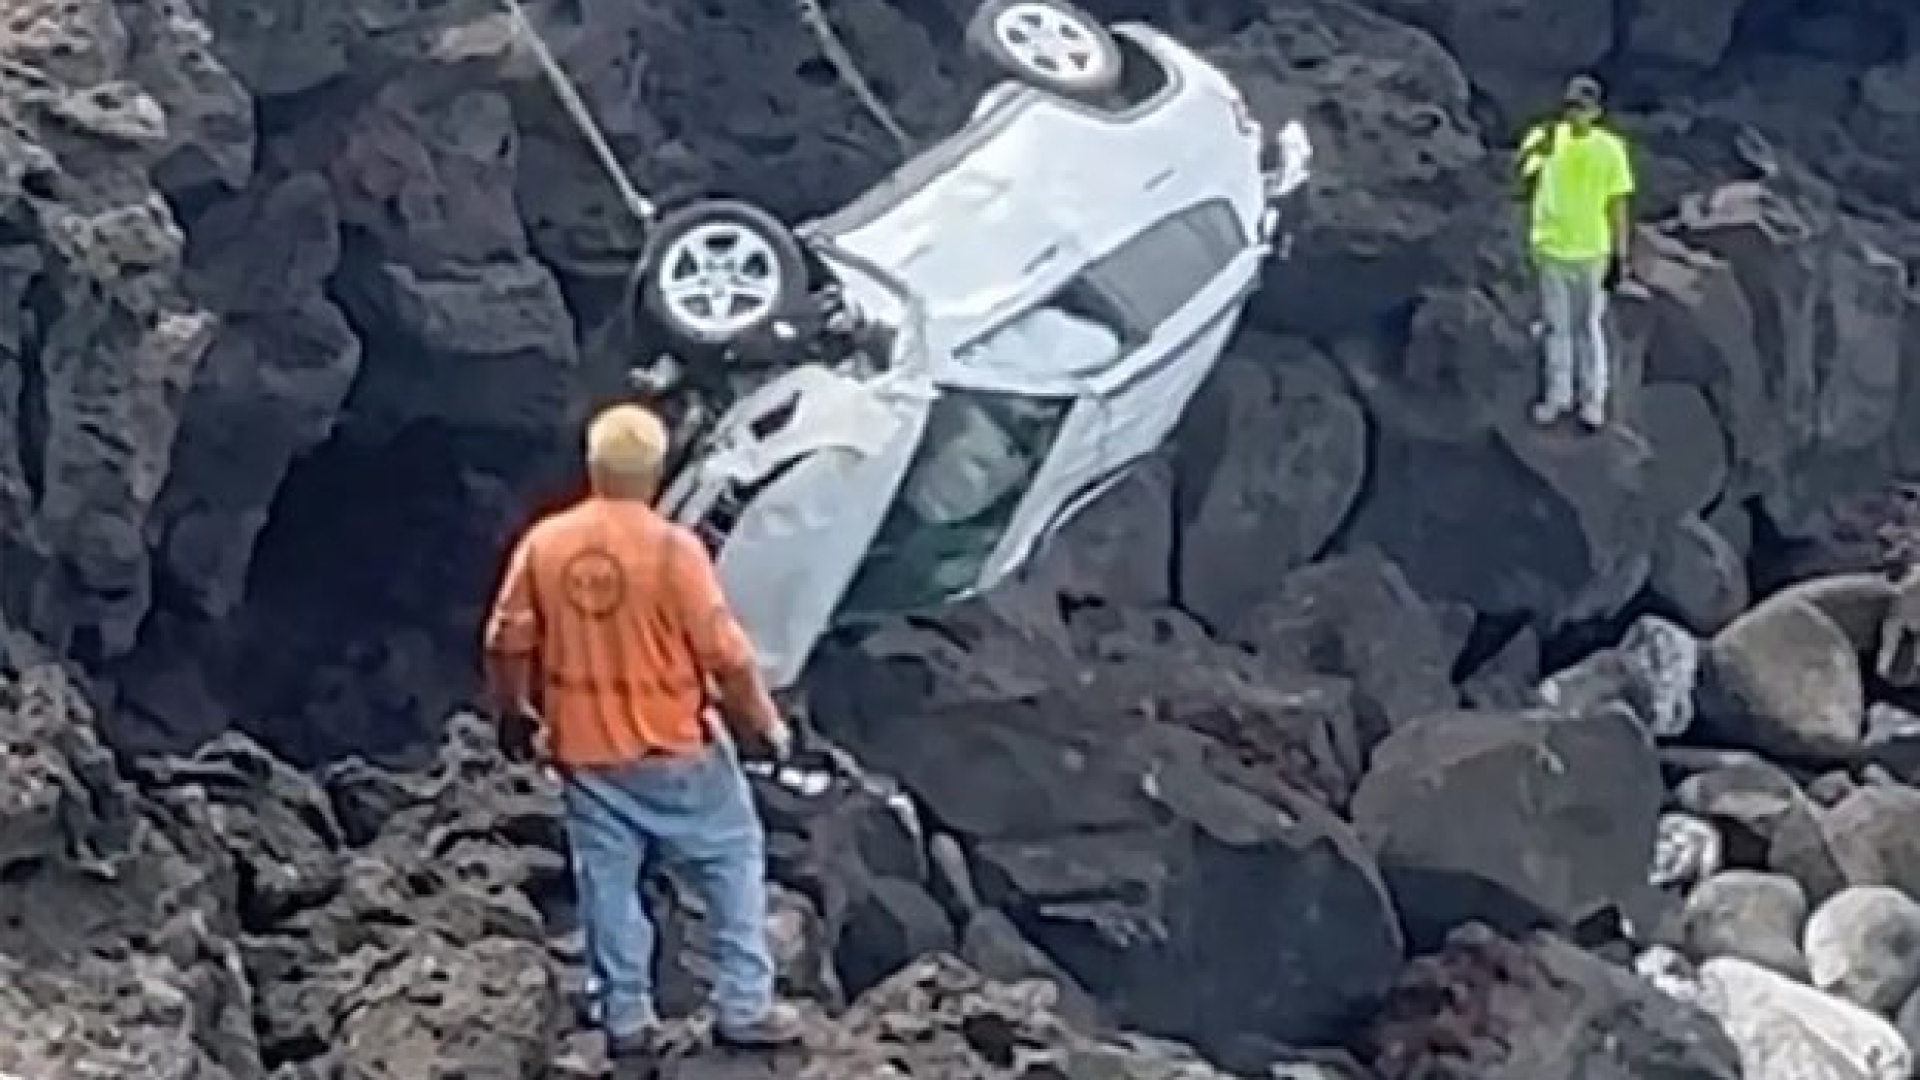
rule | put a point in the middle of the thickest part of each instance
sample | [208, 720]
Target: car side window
[1153, 275]
[979, 455]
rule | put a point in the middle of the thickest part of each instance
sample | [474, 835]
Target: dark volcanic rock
[1116, 844]
[1271, 457]
[1513, 819]
[1490, 1008]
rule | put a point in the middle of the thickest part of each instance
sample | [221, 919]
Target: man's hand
[775, 742]
[523, 736]
[1616, 271]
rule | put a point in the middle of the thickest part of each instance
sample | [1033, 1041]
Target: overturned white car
[904, 400]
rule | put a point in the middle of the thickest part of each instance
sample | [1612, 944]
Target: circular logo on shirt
[594, 583]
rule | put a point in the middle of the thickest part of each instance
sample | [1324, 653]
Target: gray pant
[1573, 307]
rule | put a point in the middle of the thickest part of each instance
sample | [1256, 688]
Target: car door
[1174, 292]
[792, 494]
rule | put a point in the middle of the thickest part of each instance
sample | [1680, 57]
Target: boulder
[1872, 837]
[1537, 1008]
[1750, 915]
[1652, 672]
[1893, 740]
[1357, 617]
[1784, 679]
[1511, 818]
[1764, 819]
[1557, 528]
[1270, 457]
[892, 923]
[1700, 575]
[1114, 843]
[1863, 945]
[1788, 1031]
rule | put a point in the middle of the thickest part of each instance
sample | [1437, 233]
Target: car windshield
[978, 457]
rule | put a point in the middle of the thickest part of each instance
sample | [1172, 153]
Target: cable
[815, 20]
[641, 207]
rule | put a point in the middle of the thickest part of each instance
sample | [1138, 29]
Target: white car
[979, 346]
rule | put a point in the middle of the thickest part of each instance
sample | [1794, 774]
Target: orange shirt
[624, 614]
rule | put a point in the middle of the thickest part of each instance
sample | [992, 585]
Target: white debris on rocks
[1688, 851]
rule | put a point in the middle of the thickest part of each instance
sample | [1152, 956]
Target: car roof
[968, 225]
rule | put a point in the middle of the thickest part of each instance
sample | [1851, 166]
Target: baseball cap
[1584, 90]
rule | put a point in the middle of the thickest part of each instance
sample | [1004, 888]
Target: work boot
[1547, 414]
[780, 1026]
[1593, 415]
[638, 1042]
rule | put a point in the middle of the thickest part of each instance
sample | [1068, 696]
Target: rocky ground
[1369, 733]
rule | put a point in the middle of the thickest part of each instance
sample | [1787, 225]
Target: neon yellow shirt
[1579, 176]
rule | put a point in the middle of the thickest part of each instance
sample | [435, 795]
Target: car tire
[1080, 61]
[750, 258]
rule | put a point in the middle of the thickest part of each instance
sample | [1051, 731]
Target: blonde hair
[626, 446]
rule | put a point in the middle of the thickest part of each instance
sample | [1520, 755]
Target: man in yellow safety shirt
[1579, 180]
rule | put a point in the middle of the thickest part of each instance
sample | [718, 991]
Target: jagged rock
[1863, 945]
[1750, 915]
[1787, 1031]
[1784, 679]
[1112, 841]
[1356, 617]
[270, 388]
[277, 824]
[1652, 672]
[116, 951]
[1512, 818]
[1297, 728]
[1489, 1008]
[423, 1007]
[1271, 458]
[939, 1020]
[1397, 109]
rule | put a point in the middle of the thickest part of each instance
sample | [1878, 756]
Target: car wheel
[721, 271]
[1051, 44]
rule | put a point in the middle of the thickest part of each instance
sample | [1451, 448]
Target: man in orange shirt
[610, 630]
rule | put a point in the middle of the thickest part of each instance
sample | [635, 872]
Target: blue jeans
[1573, 305]
[697, 813]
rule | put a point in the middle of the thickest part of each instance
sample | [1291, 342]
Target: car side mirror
[1295, 160]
